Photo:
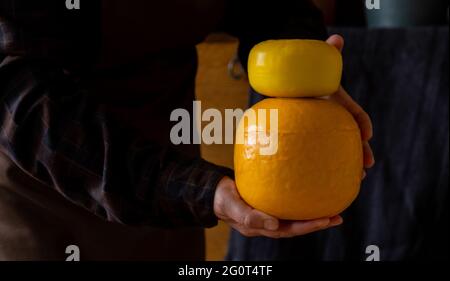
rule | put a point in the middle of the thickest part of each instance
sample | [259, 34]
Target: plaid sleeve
[53, 130]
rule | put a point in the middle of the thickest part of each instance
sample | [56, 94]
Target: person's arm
[55, 132]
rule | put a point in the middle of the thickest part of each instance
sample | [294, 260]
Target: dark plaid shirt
[53, 129]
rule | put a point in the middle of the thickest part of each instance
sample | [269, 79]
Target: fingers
[344, 98]
[291, 228]
[369, 159]
[295, 228]
[253, 219]
[239, 212]
[361, 117]
[229, 207]
[335, 221]
[337, 41]
[365, 124]
[252, 222]
[242, 215]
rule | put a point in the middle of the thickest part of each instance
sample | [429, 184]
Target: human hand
[361, 117]
[229, 207]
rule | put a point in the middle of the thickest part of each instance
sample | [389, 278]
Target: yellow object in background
[295, 68]
[317, 169]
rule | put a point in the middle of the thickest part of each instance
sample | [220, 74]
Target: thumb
[234, 208]
[337, 41]
[239, 211]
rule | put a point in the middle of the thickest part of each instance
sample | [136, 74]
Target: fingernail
[323, 223]
[337, 222]
[364, 174]
[270, 225]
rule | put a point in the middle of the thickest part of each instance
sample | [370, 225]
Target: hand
[361, 117]
[229, 207]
